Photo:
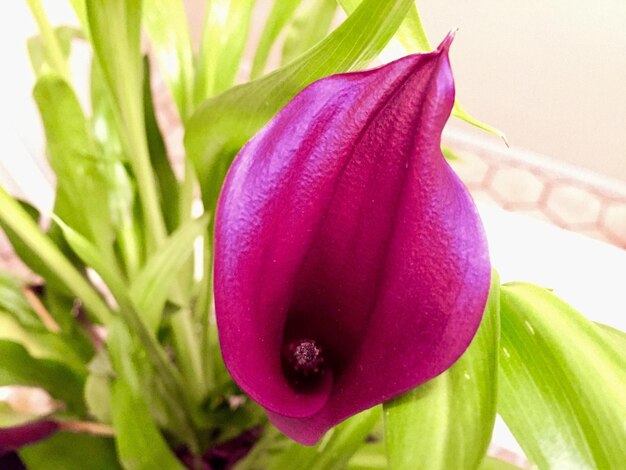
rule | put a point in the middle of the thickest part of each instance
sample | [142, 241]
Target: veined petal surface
[340, 224]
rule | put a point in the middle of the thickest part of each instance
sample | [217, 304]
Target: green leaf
[280, 15]
[93, 258]
[81, 13]
[67, 451]
[18, 367]
[30, 257]
[168, 184]
[369, 457]
[169, 380]
[459, 112]
[121, 190]
[76, 162]
[37, 49]
[153, 284]
[52, 47]
[223, 40]
[561, 382]
[98, 387]
[140, 444]
[15, 218]
[616, 337]
[40, 344]
[310, 25]
[115, 34]
[186, 342]
[457, 408]
[12, 300]
[155, 380]
[224, 123]
[334, 450]
[166, 24]
[411, 33]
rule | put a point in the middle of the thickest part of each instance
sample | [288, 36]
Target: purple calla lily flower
[351, 264]
[14, 437]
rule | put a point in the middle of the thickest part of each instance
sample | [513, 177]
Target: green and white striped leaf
[562, 382]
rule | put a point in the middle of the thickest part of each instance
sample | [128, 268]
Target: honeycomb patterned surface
[522, 182]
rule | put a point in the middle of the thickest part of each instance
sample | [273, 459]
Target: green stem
[29, 232]
[130, 248]
[137, 145]
[52, 48]
[188, 354]
[203, 305]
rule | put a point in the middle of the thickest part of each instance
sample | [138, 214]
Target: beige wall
[550, 74]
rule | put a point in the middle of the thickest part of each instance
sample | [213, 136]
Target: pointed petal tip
[447, 41]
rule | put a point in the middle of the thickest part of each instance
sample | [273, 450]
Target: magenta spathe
[350, 261]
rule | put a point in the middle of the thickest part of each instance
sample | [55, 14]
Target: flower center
[303, 362]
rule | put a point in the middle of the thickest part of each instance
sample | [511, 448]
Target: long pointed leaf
[280, 15]
[169, 378]
[12, 300]
[562, 383]
[16, 218]
[122, 194]
[166, 24]
[223, 41]
[37, 49]
[152, 285]
[447, 422]
[310, 25]
[223, 124]
[52, 47]
[139, 443]
[169, 189]
[75, 159]
[115, 34]
[40, 344]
